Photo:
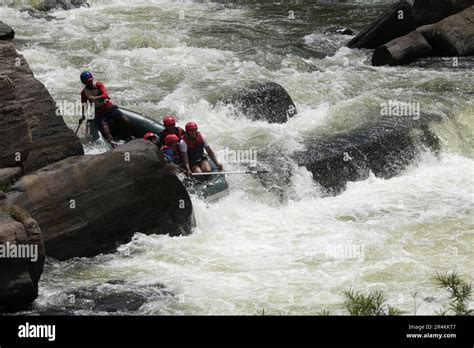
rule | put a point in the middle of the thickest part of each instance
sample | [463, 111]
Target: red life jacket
[195, 147]
[177, 131]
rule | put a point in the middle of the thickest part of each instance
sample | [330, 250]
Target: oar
[79, 126]
[226, 173]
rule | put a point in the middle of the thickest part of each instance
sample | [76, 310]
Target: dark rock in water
[19, 273]
[453, 36]
[6, 33]
[111, 297]
[432, 11]
[339, 31]
[402, 50]
[384, 148]
[15, 135]
[86, 205]
[52, 140]
[48, 5]
[264, 101]
[397, 21]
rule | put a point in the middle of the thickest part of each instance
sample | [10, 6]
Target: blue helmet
[85, 75]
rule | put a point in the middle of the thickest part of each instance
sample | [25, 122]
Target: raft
[209, 188]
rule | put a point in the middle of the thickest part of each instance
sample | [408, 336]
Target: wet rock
[15, 135]
[87, 205]
[264, 101]
[453, 36]
[6, 33]
[402, 50]
[384, 148]
[48, 5]
[432, 11]
[52, 140]
[8, 175]
[339, 31]
[395, 22]
[19, 272]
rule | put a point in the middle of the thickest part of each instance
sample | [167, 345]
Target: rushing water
[251, 251]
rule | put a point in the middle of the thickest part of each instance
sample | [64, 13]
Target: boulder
[432, 11]
[453, 36]
[15, 135]
[88, 205]
[384, 148]
[21, 257]
[52, 140]
[6, 33]
[264, 101]
[395, 22]
[402, 50]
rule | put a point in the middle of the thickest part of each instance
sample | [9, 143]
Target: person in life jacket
[105, 110]
[170, 128]
[170, 150]
[192, 147]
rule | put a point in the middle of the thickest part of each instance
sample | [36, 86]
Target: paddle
[79, 126]
[223, 173]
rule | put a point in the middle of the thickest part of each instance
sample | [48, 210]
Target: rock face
[397, 21]
[15, 135]
[6, 33]
[385, 148]
[52, 140]
[432, 11]
[86, 205]
[19, 272]
[264, 101]
[453, 36]
[402, 50]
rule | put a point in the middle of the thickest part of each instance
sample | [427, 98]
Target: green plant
[460, 292]
[368, 305]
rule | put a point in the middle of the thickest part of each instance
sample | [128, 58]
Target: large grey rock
[19, 273]
[6, 32]
[15, 135]
[453, 36]
[402, 50]
[87, 205]
[396, 21]
[264, 101]
[384, 148]
[52, 139]
[8, 175]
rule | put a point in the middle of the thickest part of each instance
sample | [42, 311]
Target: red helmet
[149, 135]
[191, 125]
[170, 138]
[169, 121]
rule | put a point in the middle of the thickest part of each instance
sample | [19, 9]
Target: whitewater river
[252, 251]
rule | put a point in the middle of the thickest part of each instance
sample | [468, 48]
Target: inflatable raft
[210, 188]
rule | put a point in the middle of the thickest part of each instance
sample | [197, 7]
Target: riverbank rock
[453, 36]
[402, 50]
[88, 205]
[52, 140]
[19, 272]
[396, 21]
[384, 148]
[432, 11]
[6, 33]
[15, 135]
[264, 101]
